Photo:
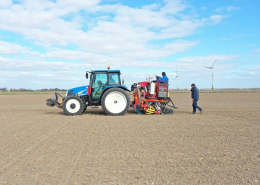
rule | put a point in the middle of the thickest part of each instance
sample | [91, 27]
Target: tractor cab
[101, 80]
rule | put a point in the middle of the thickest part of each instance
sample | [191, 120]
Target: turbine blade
[214, 62]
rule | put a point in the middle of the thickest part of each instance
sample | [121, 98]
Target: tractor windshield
[114, 79]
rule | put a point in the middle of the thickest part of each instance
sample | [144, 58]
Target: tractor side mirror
[86, 75]
[123, 81]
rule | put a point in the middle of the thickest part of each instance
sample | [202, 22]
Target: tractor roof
[110, 71]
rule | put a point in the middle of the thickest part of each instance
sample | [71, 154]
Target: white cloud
[206, 60]
[115, 35]
[151, 7]
[181, 29]
[132, 54]
[216, 18]
[5, 3]
[196, 63]
[254, 68]
[227, 9]
[173, 6]
[45, 22]
[7, 48]
[40, 65]
[232, 8]
[187, 63]
[255, 50]
[41, 73]
[77, 4]
[203, 8]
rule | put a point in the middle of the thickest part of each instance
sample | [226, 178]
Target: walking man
[195, 98]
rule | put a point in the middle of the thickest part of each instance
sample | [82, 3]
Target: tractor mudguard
[113, 86]
[117, 86]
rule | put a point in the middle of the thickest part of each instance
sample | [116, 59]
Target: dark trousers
[195, 106]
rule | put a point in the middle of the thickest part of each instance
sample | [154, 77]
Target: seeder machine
[152, 98]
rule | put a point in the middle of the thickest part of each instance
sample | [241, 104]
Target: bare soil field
[40, 145]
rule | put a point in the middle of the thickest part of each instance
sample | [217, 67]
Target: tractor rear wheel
[115, 101]
[73, 105]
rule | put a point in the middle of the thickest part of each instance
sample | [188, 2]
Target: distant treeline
[28, 90]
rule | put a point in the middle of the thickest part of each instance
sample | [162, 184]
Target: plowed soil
[40, 145]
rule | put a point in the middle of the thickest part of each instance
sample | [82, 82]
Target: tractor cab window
[114, 78]
[100, 81]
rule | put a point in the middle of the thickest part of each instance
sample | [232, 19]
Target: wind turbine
[212, 72]
[177, 77]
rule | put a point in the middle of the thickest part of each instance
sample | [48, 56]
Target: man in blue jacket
[195, 98]
[164, 78]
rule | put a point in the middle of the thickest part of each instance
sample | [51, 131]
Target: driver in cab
[111, 80]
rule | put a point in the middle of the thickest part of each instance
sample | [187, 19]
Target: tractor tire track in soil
[75, 163]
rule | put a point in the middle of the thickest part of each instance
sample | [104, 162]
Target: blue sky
[47, 43]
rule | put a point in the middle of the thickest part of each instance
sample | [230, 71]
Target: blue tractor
[105, 88]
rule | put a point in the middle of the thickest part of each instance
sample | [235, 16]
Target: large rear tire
[73, 105]
[115, 101]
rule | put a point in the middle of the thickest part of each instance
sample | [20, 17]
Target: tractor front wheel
[73, 105]
[115, 101]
